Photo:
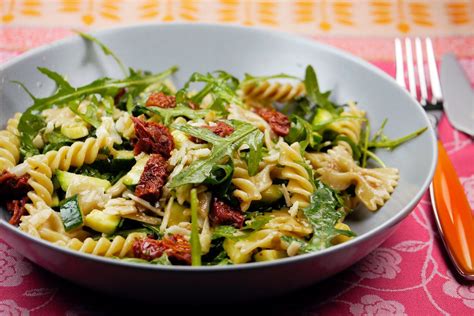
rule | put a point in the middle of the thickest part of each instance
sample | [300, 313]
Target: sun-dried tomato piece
[13, 192]
[13, 187]
[152, 138]
[120, 93]
[152, 179]
[279, 122]
[224, 214]
[161, 100]
[176, 247]
[221, 129]
[193, 105]
[17, 208]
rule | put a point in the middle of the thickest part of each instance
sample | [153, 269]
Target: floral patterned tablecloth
[408, 274]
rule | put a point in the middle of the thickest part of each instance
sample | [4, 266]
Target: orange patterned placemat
[312, 17]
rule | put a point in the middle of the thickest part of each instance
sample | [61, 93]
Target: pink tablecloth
[408, 274]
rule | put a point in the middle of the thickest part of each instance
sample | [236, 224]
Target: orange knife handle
[454, 213]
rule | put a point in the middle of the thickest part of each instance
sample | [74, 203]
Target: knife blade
[458, 95]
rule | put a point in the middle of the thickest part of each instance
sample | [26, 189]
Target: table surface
[408, 274]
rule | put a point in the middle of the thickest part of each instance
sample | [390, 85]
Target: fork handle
[454, 214]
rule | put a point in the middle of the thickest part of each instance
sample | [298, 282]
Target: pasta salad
[221, 171]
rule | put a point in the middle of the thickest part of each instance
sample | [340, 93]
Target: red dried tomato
[152, 138]
[176, 247]
[224, 214]
[221, 129]
[152, 179]
[13, 187]
[193, 105]
[279, 122]
[161, 100]
[17, 208]
[13, 192]
[120, 93]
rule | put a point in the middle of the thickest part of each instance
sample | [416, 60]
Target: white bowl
[203, 47]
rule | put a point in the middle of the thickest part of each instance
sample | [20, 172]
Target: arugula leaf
[256, 222]
[109, 105]
[314, 93]
[219, 106]
[226, 231]
[230, 232]
[91, 111]
[129, 104]
[30, 122]
[388, 143]
[163, 260]
[311, 85]
[222, 86]
[365, 143]
[323, 213]
[221, 175]
[249, 79]
[216, 255]
[55, 140]
[220, 181]
[255, 143]
[155, 230]
[301, 131]
[222, 147]
[105, 49]
[168, 114]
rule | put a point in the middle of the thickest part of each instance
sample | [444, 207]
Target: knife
[458, 95]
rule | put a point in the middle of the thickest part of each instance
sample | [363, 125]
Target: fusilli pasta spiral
[268, 91]
[117, 247]
[350, 127]
[40, 180]
[299, 184]
[249, 188]
[77, 154]
[10, 144]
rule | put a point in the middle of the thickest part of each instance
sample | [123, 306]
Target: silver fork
[435, 105]
[451, 208]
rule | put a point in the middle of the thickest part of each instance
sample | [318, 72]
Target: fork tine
[433, 70]
[421, 71]
[410, 68]
[400, 73]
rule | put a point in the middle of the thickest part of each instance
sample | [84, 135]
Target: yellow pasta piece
[350, 127]
[76, 155]
[283, 222]
[117, 247]
[241, 250]
[299, 184]
[10, 144]
[338, 170]
[268, 91]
